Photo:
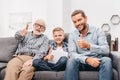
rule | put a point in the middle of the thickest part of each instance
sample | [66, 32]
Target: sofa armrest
[2, 65]
[115, 56]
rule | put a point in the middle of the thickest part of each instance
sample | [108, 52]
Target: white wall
[58, 12]
[67, 23]
[36, 7]
[54, 15]
[49, 10]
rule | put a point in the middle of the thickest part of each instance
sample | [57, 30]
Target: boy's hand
[82, 43]
[48, 57]
[24, 31]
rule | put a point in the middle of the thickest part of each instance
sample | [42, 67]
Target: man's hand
[82, 43]
[94, 62]
[27, 63]
[48, 57]
[24, 31]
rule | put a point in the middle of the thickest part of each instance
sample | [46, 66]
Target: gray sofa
[8, 46]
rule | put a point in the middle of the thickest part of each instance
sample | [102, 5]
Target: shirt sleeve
[18, 36]
[102, 46]
[43, 49]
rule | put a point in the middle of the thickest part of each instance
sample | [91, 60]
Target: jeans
[39, 64]
[74, 66]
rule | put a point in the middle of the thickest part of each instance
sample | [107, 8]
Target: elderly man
[32, 45]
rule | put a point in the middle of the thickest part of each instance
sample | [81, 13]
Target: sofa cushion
[45, 75]
[59, 75]
[7, 48]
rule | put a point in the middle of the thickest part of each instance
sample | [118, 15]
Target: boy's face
[58, 36]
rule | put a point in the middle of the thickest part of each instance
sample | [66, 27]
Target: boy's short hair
[57, 29]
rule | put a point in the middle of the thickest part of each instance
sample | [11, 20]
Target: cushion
[2, 65]
[66, 37]
[108, 36]
[7, 48]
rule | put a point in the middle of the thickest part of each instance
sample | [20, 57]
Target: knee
[63, 59]
[36, 62]
[73, 61]
[13, 66]
[106, 61]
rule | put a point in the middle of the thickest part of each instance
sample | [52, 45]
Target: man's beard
[84, 27]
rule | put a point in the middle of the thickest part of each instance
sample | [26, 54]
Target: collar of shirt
[64, 46]
[89, 31]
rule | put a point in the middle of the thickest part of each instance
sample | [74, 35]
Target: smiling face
[58, 36]
[39, 27]
[79, 21]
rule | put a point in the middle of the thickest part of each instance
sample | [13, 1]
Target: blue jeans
[39, 64]
[74, 66]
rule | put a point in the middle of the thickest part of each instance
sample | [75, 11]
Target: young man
[58, 54]
[87, 48]
[32, 45]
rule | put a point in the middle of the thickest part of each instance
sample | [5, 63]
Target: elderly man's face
[39, 28]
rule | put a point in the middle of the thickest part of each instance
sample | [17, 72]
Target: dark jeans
[39, 64]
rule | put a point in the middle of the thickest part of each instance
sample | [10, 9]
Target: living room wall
[57, 13]
[50, 11]
[19, 8]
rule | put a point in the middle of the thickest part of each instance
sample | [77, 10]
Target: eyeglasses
[38, 25]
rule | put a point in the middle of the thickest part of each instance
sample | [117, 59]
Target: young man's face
[38, 29]
[79, 21]
[58, 36]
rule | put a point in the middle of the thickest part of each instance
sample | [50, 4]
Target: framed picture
[18, 21]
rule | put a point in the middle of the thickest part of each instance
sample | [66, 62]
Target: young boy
[57, 55]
